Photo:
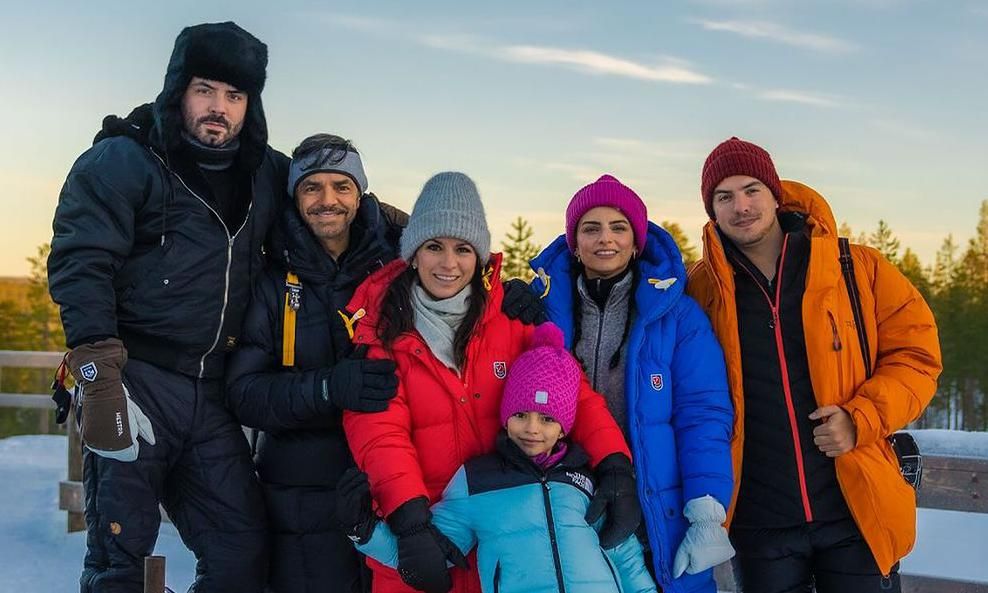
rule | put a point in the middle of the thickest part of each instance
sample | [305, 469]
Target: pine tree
[913, 269]
[688, 251]
[45, 326]
[518, 250]
[885, 242]
[943, 268]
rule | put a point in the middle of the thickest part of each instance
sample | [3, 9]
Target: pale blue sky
[878, 104]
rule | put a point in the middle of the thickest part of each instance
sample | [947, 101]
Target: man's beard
[209, 138]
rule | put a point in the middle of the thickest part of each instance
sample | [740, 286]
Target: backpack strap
[293, 300]
[847, 268]
[903, 445]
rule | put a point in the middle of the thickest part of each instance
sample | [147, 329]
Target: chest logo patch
[657, 381]
[500, 369]
[581, 481]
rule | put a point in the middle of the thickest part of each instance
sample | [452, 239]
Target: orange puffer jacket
[902, 336]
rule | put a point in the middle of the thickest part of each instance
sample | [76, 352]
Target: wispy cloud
[593, 62]
[779, 33]
[666, 69]
[903, 129]
[670, 70]
[803, 97]
[625, 148]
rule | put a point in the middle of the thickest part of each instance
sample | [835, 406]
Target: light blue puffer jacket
[528, 527]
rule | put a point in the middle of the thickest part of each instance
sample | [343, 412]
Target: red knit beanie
[545, 379]
[737, 157]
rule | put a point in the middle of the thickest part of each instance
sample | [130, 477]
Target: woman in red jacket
[437, 313]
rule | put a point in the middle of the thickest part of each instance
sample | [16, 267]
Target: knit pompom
[547, 335]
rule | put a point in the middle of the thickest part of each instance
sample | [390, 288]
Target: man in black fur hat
[157, 239]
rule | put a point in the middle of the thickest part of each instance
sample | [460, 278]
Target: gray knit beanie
[449, 206]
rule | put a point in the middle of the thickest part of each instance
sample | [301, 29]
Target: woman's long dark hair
[397, 316]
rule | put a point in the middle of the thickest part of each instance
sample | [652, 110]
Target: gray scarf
[437, 321]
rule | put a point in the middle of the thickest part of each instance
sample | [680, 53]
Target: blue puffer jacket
[528, 527]
[678, 408]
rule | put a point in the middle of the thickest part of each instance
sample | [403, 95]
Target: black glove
[358, 384]
[353, 506]
[521, 303]
[422, 549]
[618, 495]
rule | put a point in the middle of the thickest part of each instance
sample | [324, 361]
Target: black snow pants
[200, 470]
[826, 557]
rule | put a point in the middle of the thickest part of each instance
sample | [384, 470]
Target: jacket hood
[216, 51]
[796, 197]
[136, 126]
[294, 247]
[661, 277]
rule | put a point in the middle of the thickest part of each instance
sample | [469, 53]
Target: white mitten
[706, 543]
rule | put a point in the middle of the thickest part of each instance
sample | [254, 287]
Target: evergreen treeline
[955, 284]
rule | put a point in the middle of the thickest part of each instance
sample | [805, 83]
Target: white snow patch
[36, 554]
[950, 545]
[951, 443]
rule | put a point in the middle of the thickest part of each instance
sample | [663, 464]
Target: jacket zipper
[784, 368]
[838, 346]
[229, 255]
[614, 576]
[596, 350]
[552, 534]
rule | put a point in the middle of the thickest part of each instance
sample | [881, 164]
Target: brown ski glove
[111, 421]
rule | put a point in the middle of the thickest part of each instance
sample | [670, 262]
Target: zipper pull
[833, 328]
[774, 321]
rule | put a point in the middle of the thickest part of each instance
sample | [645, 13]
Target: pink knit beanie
[608, 191]
[545, 379]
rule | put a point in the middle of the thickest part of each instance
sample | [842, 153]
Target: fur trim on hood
[222, 52]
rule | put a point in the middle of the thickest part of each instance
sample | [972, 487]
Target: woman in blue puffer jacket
[522, 506]
[614, 283]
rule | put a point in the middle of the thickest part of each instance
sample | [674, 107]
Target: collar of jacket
[661, 278]
[364, 308]
[823, 275]
[294, 246]
[514, 456]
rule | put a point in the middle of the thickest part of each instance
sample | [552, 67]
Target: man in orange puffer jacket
[819, 498]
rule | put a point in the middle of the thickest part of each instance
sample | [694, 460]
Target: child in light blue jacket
[522, 506]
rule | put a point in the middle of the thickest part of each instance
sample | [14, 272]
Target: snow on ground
[38, 556]
[954, 443]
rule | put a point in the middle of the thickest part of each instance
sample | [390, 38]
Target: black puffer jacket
[139, 251]
[300, 453]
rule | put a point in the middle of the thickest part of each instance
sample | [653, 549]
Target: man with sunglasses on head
[295, 370]
[157, 238]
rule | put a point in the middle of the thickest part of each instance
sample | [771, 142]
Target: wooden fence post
[154, 574]
[76, 520]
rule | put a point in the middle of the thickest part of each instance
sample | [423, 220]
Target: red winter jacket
[439, 420]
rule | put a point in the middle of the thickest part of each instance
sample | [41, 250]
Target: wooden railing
[70, 492]
[949, 483]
